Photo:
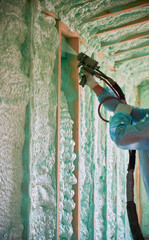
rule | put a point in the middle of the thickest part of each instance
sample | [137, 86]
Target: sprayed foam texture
[67, 178]
[14, 98]
[28, 106]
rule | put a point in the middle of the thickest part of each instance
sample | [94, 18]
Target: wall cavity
[67, 178]
[87, 168]
[25, 209]
[44, 43]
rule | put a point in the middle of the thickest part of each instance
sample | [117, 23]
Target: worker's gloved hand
[123, 107]
[90, 78]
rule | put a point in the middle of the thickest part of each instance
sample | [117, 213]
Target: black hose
[131, 206]
[119, 90]
[133, 221]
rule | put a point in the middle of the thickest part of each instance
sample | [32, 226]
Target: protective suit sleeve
[110, 104]
[127, 136]
[137, 113]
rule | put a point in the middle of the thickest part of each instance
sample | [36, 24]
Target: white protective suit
[129, 136]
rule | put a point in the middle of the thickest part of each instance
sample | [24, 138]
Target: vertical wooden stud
[139, 210]
[75, 43]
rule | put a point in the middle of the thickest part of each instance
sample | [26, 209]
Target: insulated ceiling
[116, 28]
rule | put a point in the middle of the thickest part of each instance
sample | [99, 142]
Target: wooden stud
[75, 44]
[128, 51]
[111, 68]
[132, 59]
[133, 38]
[64, 29]
[145, 71]
[105, 14]
[66, 32]
[50, 13]
[100, 55]
[129, 25]
[139, 210]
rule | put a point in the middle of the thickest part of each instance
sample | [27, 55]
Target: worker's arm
[127, 136]
[111, 104]
[137, 113]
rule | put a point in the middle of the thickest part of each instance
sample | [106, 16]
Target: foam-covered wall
[43, 124]
[67, 178]
[28, 198]
[28, 106]
[13, 102]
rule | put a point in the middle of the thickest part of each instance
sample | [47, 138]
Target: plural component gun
[91, 66]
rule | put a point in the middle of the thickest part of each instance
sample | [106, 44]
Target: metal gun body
[91, 66]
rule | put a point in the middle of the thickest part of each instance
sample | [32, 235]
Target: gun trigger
[79, 64]
[83, 81]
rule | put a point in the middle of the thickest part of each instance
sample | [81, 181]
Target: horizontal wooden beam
[129, 25]
[133, 38]
[110, 14]
[64, 29]
[132, 59]
[145, 71]
[129, 51]
[100, 55]
[111, 68]
[50, 13]
[66, 32]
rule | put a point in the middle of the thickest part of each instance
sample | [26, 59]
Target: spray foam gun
[91, 66]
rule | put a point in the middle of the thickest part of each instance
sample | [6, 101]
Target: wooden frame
[139, 209]
[74, 42]
[130, 25]
[127, 9]
[128, 51]
[130, 60]
[133, 38]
